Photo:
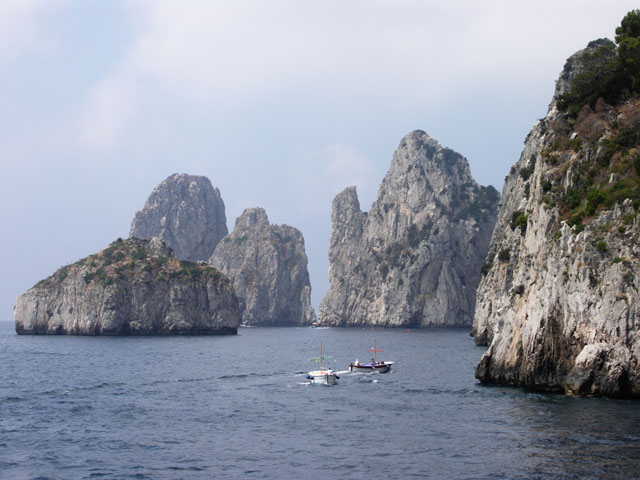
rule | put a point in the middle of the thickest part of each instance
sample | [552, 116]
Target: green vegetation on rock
[486, 200]
[504, 255]
[124, 260]
[519, 220]
[628, 40]
[415, 236]
[609, 71]
[596, 143]
[601, 246]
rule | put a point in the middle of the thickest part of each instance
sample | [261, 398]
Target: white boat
[374, 365]
[322, 376]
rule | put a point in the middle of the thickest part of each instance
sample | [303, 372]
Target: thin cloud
[22, 27]
[110, 107]
[315, 177]
[224, 55]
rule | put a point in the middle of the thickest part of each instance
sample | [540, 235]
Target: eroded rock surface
[268, 267]
[559, 304]
[187, 213]
[133, 287]
[414, 259]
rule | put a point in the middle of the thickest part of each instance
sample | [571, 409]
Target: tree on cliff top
[628, 40]
[608, 71]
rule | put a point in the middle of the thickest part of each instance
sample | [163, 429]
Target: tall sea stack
[187, 213]
[268, 267]
[414, 259]
[559, 305]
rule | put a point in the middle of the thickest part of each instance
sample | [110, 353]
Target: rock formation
[187, 213]
[559, 304]
[133, 287]
[268, 267]
[414, 259]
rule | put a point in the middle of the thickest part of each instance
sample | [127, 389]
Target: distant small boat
[323, 376]
[374, 365]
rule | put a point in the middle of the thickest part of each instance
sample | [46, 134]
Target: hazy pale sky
[281, 104]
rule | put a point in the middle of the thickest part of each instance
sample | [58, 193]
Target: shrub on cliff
[628, 40]
[608, 72]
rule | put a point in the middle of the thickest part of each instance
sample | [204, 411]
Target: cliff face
[268, 267]
[414, 259]
[133, 287]
[187, 213]
[559, 304]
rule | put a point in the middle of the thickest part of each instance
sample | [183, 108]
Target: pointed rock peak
[418, 139]
[183, 186]
[415, 257]
[178, 176]
[421, 155]
[345, 204]
[252, 217]
[268, 267]
[418, 145]
[348, 196]
[184, 179]
[185, 211]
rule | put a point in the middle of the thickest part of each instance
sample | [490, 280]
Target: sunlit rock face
[132, 287]
[559, 304]
[414, 259]
[268, 267]
[187, 213]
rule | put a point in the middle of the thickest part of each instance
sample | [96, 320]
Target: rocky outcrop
[187, 213]
[133, 287]
[559, 304]
[414, 259]
[268, 267]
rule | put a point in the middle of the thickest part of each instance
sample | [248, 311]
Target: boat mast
[374, 350]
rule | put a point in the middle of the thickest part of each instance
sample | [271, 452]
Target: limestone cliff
[414, 259]
[268, 267]
[133, 287]
[187, 213]
[559, 304]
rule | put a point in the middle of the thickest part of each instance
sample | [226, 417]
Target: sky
[281, 104]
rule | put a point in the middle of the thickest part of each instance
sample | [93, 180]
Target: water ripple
[199, 408]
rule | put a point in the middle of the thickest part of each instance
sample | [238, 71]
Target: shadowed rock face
[559, 304]
[133, 287]
[187, 213]
[268, 267]
[414, 259]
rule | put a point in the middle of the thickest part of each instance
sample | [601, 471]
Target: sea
[241, 407]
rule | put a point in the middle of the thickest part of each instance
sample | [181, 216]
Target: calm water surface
[240, 407]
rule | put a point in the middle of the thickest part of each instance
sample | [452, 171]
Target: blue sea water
[241, 407]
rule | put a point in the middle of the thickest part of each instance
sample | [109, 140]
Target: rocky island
[133, 287]
[559, 304]
[187, 213]
[414, 259]
[268, 267]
